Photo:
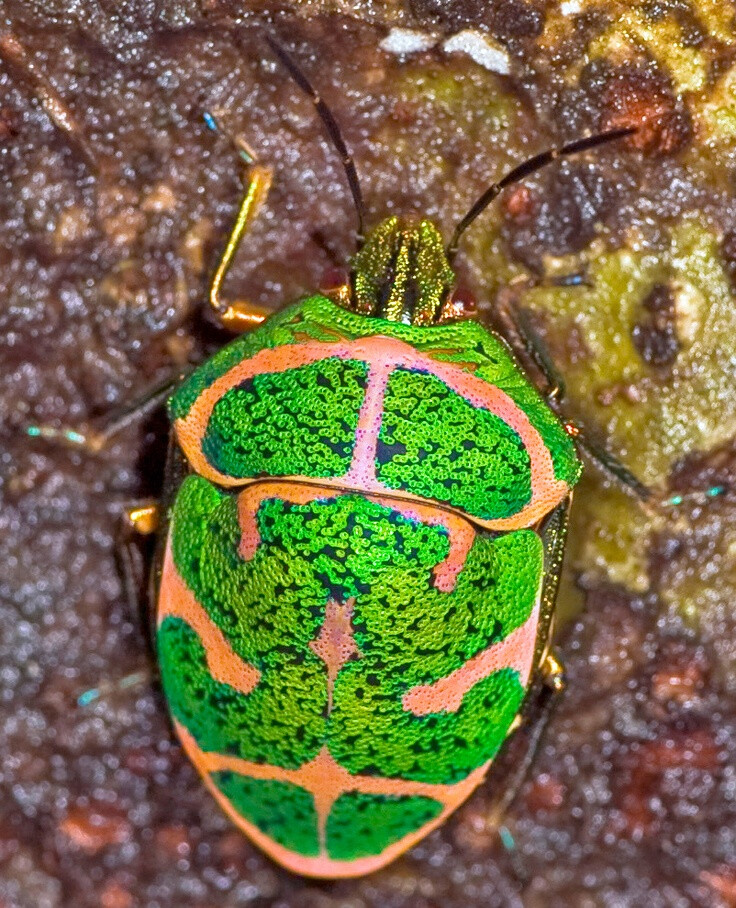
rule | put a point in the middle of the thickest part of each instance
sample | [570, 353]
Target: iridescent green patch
[270, 607]
[348, 541]
[361, 824]
[371, 734]
[300, 422]
[281, 328]
[284, 812]
[436, 444]
[268, 613]
[281, 721]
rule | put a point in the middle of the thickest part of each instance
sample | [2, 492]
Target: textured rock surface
[115, 199]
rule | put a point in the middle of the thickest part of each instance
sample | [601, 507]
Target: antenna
[330, 124]
[528, 167]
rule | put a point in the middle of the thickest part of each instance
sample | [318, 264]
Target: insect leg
[239, 316]
[533, 346]
[611, 464]
[511, 769]
[96, 439]
[623, 475]
[519, 756]
[138, 520]
[17, 58]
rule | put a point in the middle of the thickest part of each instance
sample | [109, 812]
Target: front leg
[527, 344]
[240, 316]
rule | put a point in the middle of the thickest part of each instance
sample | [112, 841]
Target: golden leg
[553, 672]
[95, 439]
[240, 316]
[143, 519]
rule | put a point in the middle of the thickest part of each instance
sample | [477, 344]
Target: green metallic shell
[344, 638]
[408, 632]
[298, 422]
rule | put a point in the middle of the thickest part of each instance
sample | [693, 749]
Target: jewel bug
[362, 536]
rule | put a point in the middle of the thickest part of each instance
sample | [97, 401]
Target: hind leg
[137, 522]
[512, 767]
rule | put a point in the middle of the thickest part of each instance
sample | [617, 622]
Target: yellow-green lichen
[634, 32]
[450, 90]
[687, 44]
[649, 419]
[717, 18]
[716, 118]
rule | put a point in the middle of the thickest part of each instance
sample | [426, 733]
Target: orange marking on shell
[326, 780]
[362, 472]
[460, 532]
[446, 694]
[547, 492]
[177, 600]
[382, 354]
[335, 644]
[251, 498]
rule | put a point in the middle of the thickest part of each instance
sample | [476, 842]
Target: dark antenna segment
[526, 168]
[330, 124]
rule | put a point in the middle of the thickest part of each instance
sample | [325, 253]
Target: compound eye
[335, 284]
[460, 303]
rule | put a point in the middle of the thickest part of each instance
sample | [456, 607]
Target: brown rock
[642, 98]
[92, 828]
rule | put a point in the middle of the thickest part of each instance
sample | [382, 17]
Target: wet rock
[728, 250]
[503, 18]
[95, 827]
